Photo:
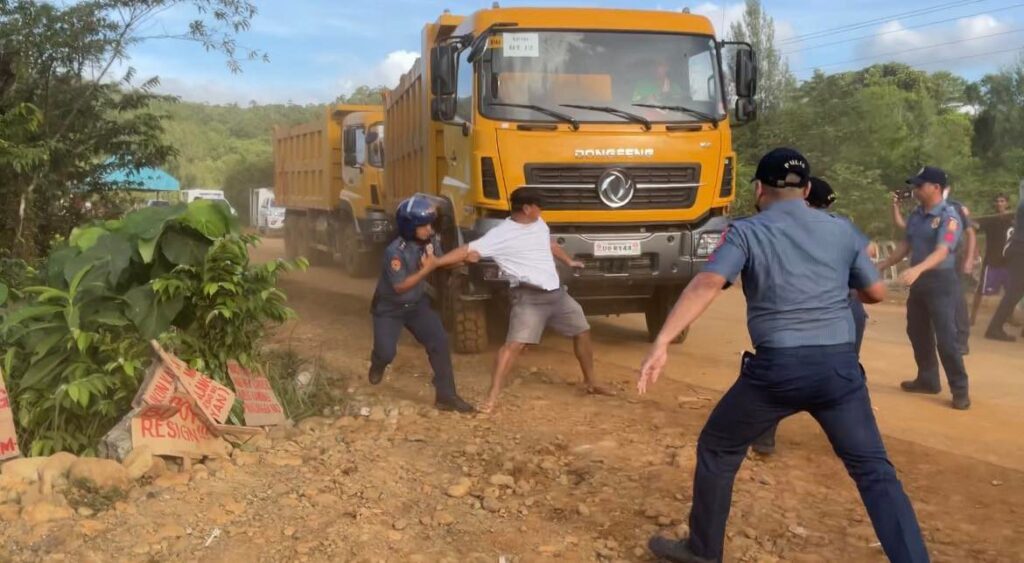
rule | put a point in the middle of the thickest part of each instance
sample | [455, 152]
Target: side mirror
[746, 73]
[443, 70]
[443, 109]
[372, 138]
[746, 110]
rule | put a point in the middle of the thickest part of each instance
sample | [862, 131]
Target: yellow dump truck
[328, 176]
[618, 117]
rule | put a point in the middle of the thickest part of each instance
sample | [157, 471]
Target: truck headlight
[707, 243]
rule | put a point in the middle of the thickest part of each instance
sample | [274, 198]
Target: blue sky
[320, 48]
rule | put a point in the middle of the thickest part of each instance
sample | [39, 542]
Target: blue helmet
[414, 212]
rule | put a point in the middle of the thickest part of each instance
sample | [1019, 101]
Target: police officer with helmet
[931, 237]
[798, 266]
[401, 301]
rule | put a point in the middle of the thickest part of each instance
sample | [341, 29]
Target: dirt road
[556, 474]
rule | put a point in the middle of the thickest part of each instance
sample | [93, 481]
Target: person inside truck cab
[658, 87]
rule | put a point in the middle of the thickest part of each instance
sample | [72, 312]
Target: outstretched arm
[562, 256]
[696, 298]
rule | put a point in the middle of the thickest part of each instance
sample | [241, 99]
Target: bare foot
[487, 407]
[594, 389]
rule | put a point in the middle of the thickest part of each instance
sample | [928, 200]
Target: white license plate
[617, 248]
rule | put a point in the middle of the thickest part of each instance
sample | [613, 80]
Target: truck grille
[575, 187]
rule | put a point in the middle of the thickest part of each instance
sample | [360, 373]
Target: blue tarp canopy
[146, 179]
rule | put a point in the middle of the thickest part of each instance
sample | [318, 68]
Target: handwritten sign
[213, 399]
[8, 438]
[521, 45]
[261, 405]
[183, 434]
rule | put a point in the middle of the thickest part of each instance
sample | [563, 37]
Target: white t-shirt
[522, 251]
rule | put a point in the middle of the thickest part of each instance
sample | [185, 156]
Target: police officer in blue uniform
[401, 301]
[822, 196]
[932, 233]
[798, 266]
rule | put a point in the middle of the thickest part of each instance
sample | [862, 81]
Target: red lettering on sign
[8, 446]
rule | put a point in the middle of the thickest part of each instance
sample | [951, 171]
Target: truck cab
[618, 118]
[328, 175]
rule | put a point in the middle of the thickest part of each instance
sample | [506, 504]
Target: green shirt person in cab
[659, 88]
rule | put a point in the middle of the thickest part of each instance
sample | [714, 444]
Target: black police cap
[821, 195]
[783, 168]
[929, 175]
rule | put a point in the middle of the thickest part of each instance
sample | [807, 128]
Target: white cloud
[385, 73]
[966, 38]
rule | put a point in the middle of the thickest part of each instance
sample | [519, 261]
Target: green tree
[775, 81]
[363, 95]
[68, 120]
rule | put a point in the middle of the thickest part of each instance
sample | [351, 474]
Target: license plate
[617, 248]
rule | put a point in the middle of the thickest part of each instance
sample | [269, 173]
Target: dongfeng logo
[615, 188]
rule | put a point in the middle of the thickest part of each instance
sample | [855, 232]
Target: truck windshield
[601, 69]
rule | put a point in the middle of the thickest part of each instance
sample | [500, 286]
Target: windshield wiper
[573, 122]
[682, 109]
[615, 111]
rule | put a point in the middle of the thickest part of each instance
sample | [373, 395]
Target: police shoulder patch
[396, 264]
[953, 224]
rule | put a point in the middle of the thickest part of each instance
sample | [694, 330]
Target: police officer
[965, 251]
[798, 266]
[933, 230]
[822, 196]
[401, 301]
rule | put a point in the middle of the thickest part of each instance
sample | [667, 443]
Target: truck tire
[315, 256]
[357, 264]
[658, 307]
[470, 326]
[291, 248]
[466, 320]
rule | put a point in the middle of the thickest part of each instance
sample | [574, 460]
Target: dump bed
[414, 160]
[308, 160]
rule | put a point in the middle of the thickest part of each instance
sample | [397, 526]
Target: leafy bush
[76, 344]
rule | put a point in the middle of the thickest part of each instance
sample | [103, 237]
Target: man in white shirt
[522, 248]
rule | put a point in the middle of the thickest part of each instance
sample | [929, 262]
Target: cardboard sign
[183, 434]
[261, 405]
[521, 45]
[8, 438]
[213, 399]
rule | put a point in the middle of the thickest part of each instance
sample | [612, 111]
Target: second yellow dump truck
[328, 176]
[618, 117]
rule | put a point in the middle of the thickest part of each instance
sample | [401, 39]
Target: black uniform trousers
[424, 324]
[827, 382]
[931, 324]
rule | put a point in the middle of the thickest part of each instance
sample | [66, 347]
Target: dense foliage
[75, 344]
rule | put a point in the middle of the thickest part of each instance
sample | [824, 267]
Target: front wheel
[466, 320]
[357, 264]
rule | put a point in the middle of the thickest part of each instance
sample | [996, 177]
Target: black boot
[915, 386]
[675, 551]
[454, 403]
[961, 402]
[1000, 335]
[376, 374]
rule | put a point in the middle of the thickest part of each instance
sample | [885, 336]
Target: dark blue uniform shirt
[401, 260]
[798, 265]
[929, 229]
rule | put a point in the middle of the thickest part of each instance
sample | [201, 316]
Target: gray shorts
[534, 310]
